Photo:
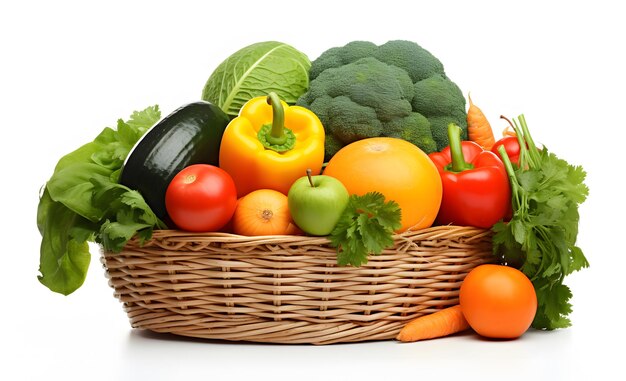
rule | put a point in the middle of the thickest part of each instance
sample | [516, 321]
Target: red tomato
[201, 197]
[498, 301]
[511, 146]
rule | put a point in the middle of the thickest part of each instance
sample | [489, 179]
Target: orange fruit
[498, 301]
[396, 168]
[263, 212]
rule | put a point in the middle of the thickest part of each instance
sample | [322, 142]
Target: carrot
[478, 127]
[439, 324]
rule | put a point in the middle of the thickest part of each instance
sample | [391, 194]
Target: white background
[68, 69]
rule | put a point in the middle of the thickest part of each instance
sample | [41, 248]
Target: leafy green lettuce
[83, 202]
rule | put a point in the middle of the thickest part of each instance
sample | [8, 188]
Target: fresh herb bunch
[366, 227]
[83, 202]
[540, 239]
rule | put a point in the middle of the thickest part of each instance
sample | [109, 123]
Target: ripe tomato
[498, 301]
[511, 146]
[201, 197]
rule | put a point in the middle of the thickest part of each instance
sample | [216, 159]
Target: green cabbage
[255, 71]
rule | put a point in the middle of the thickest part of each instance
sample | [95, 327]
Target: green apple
[317, 202]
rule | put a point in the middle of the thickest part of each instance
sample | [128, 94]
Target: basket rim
[433, 232]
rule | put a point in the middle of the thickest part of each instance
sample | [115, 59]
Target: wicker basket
[289, 289]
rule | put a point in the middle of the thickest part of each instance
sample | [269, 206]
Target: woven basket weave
[289, 289]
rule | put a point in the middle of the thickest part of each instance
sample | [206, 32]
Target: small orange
[263, 212]
[498, 301]
[396, 168]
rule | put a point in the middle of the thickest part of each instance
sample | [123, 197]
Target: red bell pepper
[476, 190]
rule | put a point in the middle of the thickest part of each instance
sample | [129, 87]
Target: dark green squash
[190, 135]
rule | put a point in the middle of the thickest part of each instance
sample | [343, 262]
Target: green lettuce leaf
[82, 202]
[64, 252]
[71, 186]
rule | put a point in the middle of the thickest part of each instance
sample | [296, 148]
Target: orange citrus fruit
[396, 168]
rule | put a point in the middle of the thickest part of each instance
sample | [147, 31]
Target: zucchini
[189, 135]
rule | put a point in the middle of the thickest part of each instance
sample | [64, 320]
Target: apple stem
[308, 174]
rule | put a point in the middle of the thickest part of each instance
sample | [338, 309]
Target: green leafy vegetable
[366, 227]
[540, 239]
[255, 71]
[64, 250]
[82, 202]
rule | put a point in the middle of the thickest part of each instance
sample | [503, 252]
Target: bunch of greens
[365, 227]
[540, 239]
[83, 202]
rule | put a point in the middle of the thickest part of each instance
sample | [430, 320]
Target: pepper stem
[456, 150]
[276, 136]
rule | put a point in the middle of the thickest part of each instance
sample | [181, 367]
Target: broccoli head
[397, 89]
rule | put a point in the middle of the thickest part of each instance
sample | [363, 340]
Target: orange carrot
[439, 324]
[478, 127]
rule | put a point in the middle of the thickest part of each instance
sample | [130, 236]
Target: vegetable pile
[361, 144]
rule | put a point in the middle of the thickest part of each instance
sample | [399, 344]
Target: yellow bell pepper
[271, 144]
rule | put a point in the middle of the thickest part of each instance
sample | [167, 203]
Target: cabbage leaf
[255, 71]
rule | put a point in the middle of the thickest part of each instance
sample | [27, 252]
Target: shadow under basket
[289, 289]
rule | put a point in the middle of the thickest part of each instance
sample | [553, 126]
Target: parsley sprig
[540, 239]
[366, 227]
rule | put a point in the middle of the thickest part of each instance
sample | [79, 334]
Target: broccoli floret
[349, 121]
[409, 56]
[373, 84]
[414, 128]
[438, 96]
[354, 100]
[442, 101]
[362, 90]
[439, 128]
[336, 57]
